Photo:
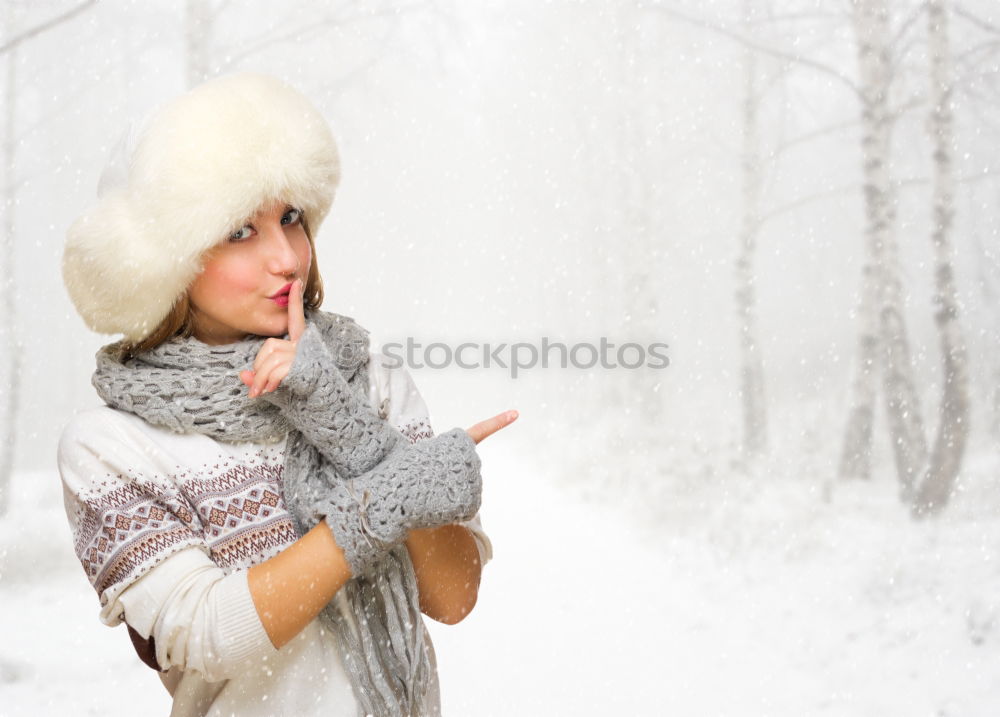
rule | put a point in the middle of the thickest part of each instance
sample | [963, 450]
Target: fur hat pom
[196, 171]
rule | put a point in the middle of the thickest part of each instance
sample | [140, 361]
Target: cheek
[223, 278]
[304, 252]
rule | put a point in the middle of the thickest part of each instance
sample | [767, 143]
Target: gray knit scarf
[188, 386]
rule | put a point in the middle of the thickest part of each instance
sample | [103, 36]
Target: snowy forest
[799, 513]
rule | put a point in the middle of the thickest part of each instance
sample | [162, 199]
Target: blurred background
[800, 514]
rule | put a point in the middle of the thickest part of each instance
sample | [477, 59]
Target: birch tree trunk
[10, 345]
[902, 407]
[953, 427]
[856, 453]
[640, 252]
[11, 373]
[751, 369]
[987, 274]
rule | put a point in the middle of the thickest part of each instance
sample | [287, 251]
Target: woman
[262, 501]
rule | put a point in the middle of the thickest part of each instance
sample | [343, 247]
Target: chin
[276, 330]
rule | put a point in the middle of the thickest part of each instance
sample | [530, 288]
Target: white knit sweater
[166, 527]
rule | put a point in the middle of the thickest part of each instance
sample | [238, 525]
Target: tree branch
[905, 26]
[915, 100]
[963, 57]
[793, 16]
[982, 176]
[802, 201]
[850, 188]
[809, 136]
[220, 8]
[316, 26]
[757, 47]
[975, 19]
[47, 25]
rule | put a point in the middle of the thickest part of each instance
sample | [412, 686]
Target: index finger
[491, 425]
[296, 313]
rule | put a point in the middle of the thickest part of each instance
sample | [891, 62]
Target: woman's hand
[274, 360]
[491, 425]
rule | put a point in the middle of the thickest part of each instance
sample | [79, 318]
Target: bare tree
[953, 425]
[988, 271]
[10, 373]
[976, 88]
[206, 56]
[873, 63]
[640, 251]
[16, 38]
[872, 27]
[10, 376]
[751, 365]
[883, 343]
[988, 275]
[754, 214]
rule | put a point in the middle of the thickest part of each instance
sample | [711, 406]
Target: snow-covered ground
[771, 601]
[760, 597]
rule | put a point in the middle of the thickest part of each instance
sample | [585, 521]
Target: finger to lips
[296, 312]
[258, 377]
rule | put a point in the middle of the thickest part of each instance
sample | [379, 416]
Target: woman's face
[244, 286]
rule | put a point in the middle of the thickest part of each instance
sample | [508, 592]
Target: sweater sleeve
[143, 551]
[394, 393]
[198, 617]
[124, 520]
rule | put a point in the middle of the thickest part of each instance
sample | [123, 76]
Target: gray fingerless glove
[317, 400]
[426, 484]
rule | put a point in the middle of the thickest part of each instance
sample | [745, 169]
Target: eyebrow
[249, 220]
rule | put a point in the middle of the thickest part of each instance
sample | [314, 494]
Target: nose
[280, 258]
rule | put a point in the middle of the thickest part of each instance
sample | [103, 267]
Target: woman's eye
[241, 234]
[291, 216]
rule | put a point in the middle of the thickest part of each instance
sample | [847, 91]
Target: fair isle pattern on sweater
[235, 513]
[234, 510]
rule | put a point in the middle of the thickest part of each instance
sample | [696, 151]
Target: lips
[283, 292]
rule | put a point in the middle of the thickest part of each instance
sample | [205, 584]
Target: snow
[57, 658]
[779, 605]
[636, 571]
[757, 597]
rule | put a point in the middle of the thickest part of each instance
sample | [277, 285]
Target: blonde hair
[178, 323]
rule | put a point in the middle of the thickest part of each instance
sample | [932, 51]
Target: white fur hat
[195, 171]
